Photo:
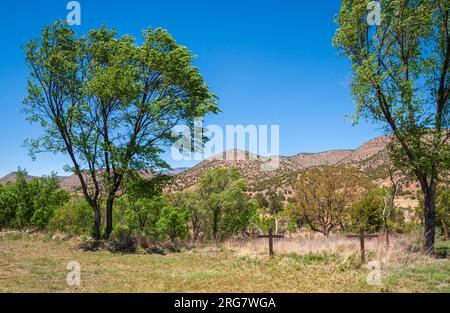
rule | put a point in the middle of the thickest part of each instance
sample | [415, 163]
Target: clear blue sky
[270, 62]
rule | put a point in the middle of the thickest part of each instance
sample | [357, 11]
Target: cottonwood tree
[223, 198]
[110, 104]
[323, 197]
[401, 79]
[191, 202]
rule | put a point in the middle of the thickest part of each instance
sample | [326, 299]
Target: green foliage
[443, 212]
[367, 212]
[173, 223]
[192, 203]
[26, 202]
[266, 222]
[141, 215]
[227, 206]
[74, 217]
[140, 206]
[8, 208]
[401, 80]
[110, 103]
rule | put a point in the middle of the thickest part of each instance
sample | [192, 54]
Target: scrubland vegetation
[328, 201]
[205, 240]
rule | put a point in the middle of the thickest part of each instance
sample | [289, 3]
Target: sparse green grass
[35, 265]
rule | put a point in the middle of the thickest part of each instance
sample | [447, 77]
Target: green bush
[8, 208]
[173, 223]
[140, 215]
[367, 212]
[74, 217]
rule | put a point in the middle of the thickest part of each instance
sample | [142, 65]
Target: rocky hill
[369, 157]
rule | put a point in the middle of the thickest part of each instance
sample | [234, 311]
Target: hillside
[367, 157]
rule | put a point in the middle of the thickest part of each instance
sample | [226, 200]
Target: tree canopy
[401, 80]
[110, 103]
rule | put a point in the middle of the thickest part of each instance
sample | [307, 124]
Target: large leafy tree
[191, 202]
[401, 80]
[228, 208]
[110, 103]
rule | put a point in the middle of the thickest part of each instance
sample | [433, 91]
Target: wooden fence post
[363, 251]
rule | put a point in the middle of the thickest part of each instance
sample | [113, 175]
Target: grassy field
[36, 264]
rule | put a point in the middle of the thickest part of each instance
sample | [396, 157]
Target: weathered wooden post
[270, 242]
[271, 236]
[361, 236]
[363, 250]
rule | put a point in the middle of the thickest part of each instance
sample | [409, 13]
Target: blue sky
[270, 62]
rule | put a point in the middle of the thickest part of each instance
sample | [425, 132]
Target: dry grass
[38, 264]
[311, 244]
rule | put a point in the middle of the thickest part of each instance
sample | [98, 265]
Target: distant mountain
[72, 182]
[369, 157]
[12, 177]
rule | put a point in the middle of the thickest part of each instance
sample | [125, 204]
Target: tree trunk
[109, 217]
[216, 224]
[195, 233]
[97, 224]
[429, 216]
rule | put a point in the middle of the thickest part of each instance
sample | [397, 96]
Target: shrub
[122, 240]
[8, 208]
[173, 223]
[367, 212]
[32, 203]
[74, 217]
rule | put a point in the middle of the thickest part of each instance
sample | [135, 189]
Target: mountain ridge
[250, 165]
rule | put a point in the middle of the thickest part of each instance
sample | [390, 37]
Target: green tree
[140, 205]
[191, 202]
[75, 217]
[23, 192]
[36, 199]
[367, 212]
[401, 80]
[141, 215]
[8, 207]
[47, 198]
[173, 223]
[110, 104]
[228, 208]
